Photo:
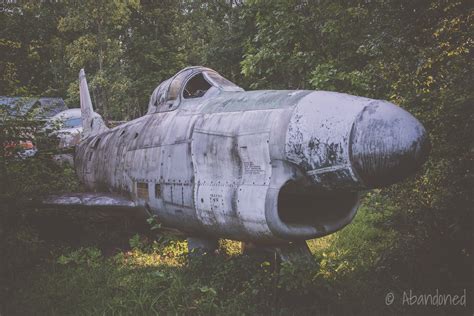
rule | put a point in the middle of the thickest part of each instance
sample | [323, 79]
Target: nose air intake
[386, 144]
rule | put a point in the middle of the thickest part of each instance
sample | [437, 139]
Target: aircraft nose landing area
[387, 144]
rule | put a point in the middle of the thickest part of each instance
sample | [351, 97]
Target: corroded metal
[270, 167]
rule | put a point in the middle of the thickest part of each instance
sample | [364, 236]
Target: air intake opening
[298, 205]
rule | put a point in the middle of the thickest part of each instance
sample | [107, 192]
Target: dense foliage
[415, 235]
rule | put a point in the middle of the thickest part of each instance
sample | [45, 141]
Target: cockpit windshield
[159, 95]
[189, 83]
[221, 82]
[196, 87]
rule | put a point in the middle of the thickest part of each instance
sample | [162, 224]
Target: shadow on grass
[107, 268]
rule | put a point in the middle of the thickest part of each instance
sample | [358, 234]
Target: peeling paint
[261, 166]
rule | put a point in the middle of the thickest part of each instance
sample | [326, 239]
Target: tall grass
[157, 277]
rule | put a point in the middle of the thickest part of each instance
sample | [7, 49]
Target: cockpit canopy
[189, 83]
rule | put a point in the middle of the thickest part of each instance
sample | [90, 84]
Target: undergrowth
[154, 275]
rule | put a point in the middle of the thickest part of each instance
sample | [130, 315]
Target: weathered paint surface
[388, 144]
[262, 166]
[318, 138]
[90, 199]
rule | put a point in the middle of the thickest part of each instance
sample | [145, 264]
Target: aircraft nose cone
[387, 144]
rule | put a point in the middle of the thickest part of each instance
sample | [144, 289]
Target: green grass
[157, 277]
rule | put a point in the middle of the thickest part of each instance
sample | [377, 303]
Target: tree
[212, 34]
[31, 49]
[96, 30]
[153, 51]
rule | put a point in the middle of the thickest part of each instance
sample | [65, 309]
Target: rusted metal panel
[142, 190]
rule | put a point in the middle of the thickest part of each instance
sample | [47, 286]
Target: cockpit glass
[73, 122]
[175, 86]
[189, 83]
[222, 82]
[158, 96]
[196, 87]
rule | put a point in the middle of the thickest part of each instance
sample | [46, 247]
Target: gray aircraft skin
[267, 167]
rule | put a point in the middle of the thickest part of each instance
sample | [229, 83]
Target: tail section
[92, 122]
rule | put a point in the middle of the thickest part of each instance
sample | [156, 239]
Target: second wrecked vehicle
[66, 129]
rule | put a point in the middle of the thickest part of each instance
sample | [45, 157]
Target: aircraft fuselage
[266, 166]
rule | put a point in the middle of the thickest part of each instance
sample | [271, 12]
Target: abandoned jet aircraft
[267, 167]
